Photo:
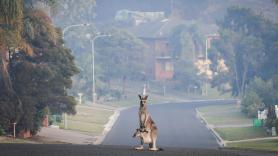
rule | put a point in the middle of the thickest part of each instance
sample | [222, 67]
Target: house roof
[156, 29]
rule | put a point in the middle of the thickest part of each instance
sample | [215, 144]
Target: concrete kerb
[221, 142]
[108, 126]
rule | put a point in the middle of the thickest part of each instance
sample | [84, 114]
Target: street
[92, 150]
[177, 125]
[180, 133]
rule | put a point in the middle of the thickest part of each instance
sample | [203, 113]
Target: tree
[39, 74]
[186, 44]
[190, 9]
[241, 46]
[68, 12]
[117, 57]
[251, 103]
[262, 95]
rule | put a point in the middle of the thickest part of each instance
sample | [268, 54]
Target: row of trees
[248, 44]
[117, 57]
[35, 68]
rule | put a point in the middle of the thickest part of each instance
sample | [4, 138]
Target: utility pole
[208, 40]
[98, 35]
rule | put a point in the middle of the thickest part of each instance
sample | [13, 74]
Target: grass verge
[265, 145]
[88, 119]
[224, 115]
[240, 133]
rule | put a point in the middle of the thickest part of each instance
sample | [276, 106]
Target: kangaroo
[144, 116]
[148, 130]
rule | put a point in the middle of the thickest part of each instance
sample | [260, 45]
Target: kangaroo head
[143, 100]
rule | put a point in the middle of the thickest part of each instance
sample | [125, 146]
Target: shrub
[251, 104]
[2, 132]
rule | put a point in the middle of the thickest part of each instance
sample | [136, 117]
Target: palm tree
[11, 13]
[13, 26]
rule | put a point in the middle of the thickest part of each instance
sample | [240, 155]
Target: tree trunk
[5, 80]
[237, 79]
[245, 70]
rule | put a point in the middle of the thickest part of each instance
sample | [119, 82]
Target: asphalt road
[177, 125]
[91, 150]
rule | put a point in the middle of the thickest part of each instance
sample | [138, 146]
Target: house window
[168, 66]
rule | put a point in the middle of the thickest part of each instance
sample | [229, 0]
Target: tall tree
[241, 46]
[39, 72]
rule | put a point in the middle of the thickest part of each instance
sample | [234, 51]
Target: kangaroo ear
[140, 97]
[146, 97]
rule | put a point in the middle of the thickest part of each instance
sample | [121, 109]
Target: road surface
[177, 124]
[92, 150]
[178, 127]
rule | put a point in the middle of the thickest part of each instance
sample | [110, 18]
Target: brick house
[160, 64]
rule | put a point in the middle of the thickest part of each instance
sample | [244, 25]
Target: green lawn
[241, 133]
[265, 145]
[88, 119]
[224, 115]
[85, 126]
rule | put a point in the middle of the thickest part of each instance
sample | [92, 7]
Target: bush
[271, 121]
[2, 132]
[251, 104]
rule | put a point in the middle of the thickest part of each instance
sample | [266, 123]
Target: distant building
[160, 64]
[138, 17]
[107, 9]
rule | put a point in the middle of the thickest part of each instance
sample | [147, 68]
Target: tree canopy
[38, 70]
[244, 44]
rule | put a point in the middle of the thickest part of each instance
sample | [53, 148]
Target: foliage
[39, 71]
[251, 104]
[261, 94]
[243, 46]
[116, 57]
[68, 12]
[249, 46]
[191, 9]
[184, 43]
[124, 52]
[186, 75]
[2, 132]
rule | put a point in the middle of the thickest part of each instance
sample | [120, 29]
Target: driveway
[66, 136]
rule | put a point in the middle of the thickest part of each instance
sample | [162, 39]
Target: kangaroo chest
[143, 115]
